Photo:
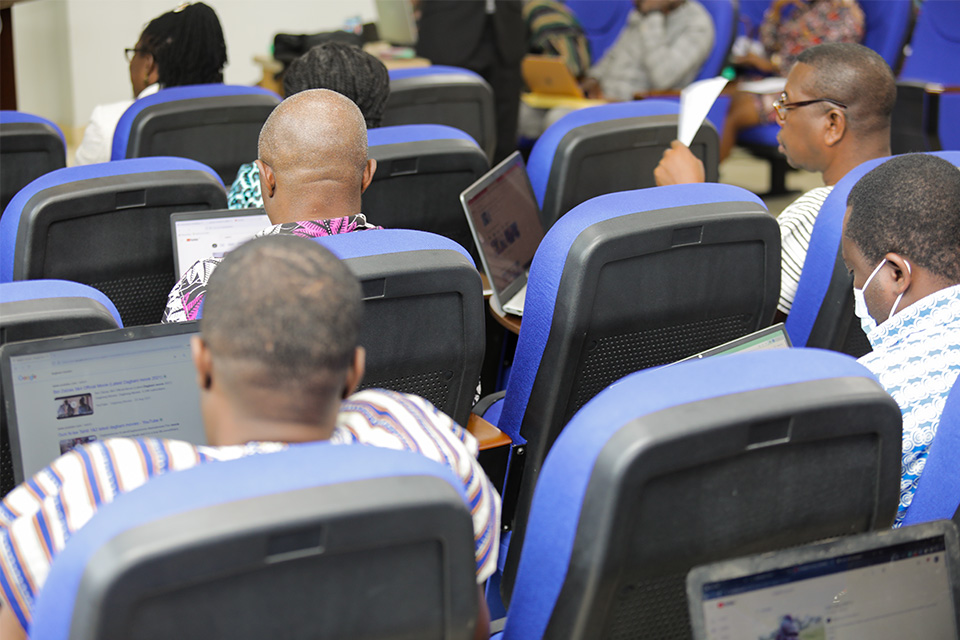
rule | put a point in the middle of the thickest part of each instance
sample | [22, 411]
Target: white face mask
[867, 323]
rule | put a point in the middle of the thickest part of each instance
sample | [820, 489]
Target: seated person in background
[182, 47]
[340, 67]
[662, 46]
[277, 363]
[901, 240]
[555, 31]
[313, 168]
[834, 114]
[789, 27]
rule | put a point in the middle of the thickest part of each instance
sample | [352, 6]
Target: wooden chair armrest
[487, 435]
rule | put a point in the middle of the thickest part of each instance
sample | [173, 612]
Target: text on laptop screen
[897, 591]
[507, 222]
[66, 398]
[204, 238]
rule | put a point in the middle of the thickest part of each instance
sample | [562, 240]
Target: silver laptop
[772, 337]
[883, 585]
[60, 393]
[504, 218]
[212, 234]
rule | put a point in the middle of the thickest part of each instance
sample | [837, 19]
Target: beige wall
[69, 53]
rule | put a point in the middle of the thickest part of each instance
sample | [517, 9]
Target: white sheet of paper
[695, 101]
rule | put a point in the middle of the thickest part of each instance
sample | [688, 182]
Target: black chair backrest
[633, 291]
[221, 131]
[380, 551]
[443, 95]
[27, 151]
[423, 318]
[113, 232]
[418, 183]
[730, 474]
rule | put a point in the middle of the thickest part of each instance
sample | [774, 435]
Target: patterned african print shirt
[916, 357]
[38, 518]
[245, 190]
[186, 297]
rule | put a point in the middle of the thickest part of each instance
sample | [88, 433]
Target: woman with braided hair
[337, 66]
[181, 47]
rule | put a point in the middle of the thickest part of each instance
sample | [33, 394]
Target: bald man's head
[315, 135]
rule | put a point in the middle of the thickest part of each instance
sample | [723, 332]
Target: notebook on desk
[212, 234]
[772, 337]
[60, 393]
[882, 585]
[504, 219]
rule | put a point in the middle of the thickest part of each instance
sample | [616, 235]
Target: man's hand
[679, 166]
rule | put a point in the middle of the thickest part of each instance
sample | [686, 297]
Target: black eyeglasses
[130, 52]
[782, 106]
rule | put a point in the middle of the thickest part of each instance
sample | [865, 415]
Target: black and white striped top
[796, 225]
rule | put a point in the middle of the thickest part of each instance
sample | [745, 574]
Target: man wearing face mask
[901, 240]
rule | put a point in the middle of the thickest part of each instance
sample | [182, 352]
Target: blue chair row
[665, 470]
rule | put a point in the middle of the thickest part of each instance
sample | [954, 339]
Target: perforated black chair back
[625, 282]
[423, 318]
[692, 464]
[108, 226]
[30, 146]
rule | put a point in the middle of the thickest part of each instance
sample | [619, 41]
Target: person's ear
[202, 362]
[268, 179]
[355, 372]
[836, 126]
[153, 70]
[368, 172]
[901, 276]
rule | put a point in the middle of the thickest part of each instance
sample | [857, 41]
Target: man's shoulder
[807, 205]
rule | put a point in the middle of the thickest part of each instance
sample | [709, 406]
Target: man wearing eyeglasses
[834, 115]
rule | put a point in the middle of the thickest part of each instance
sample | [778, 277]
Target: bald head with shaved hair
[313, 158]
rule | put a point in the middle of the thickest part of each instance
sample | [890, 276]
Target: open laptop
[883, 585]
[504, 218]
[772, 337]
[60, 393]
[550, 75]
[212, 234]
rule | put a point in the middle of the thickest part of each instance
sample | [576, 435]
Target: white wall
[69, 53]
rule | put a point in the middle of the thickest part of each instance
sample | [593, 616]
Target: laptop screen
[212, 234]
[504, 218]
[897, 589]
[772, 337]
[64, 392]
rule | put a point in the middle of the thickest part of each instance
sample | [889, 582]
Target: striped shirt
[796, 225]
[38, 517]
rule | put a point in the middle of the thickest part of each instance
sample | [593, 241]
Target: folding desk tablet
[882, 585]
[60, 393]
[212, 234]
[504, 219]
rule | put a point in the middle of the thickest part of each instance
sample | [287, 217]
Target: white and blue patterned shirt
[916, 357]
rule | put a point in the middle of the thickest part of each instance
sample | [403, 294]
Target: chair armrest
[487, 435]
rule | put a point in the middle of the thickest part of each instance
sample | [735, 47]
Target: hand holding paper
[695, 101]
